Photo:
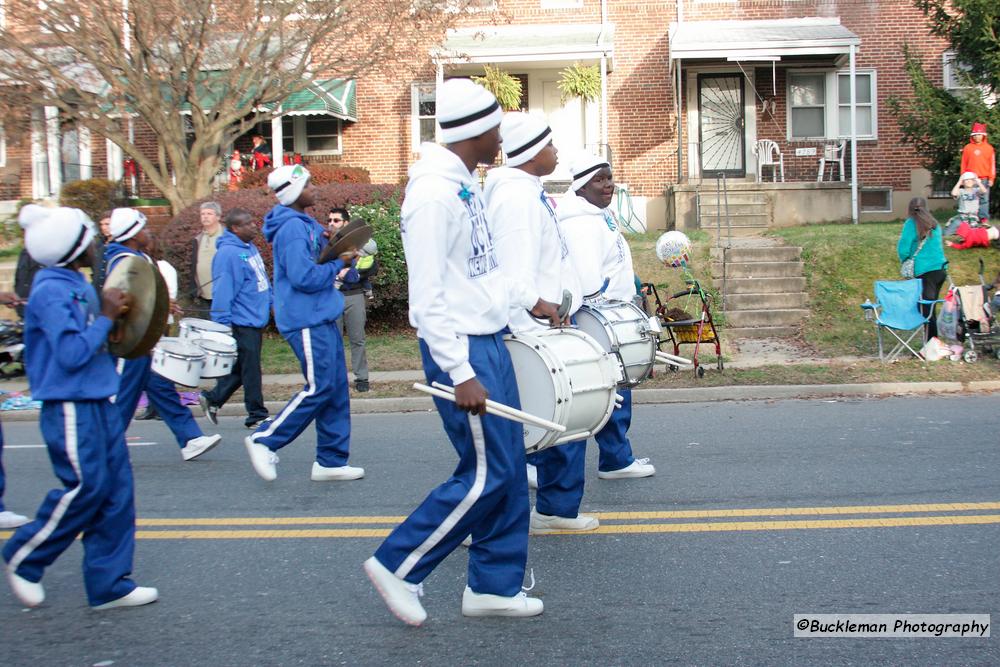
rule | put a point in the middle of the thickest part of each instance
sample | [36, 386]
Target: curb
[652, 396]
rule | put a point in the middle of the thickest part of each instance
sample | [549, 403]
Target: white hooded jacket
[597, 248]
[529, 246]
[456, 287]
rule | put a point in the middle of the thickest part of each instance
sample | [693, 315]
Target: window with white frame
[307, 135]
[952, 71]
[423, 113]
[819, 105]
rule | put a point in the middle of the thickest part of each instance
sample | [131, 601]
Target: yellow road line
[709, 527]
[603, 516]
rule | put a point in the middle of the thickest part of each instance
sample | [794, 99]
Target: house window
[864, 102]
[322, 135]
[876, 200]
[952, 70]
[819, 105]
[807, 106]
[423, 113]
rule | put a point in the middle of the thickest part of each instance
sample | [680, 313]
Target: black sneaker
[150, 413]
[254, 425]
[361, 385]
[211, 411]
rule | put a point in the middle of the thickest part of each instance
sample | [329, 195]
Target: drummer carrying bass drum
[531, 249]
[129, 236]
[459, 305]
[599, 251]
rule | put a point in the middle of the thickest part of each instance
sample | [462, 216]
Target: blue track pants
[487, 494]
[136, 377]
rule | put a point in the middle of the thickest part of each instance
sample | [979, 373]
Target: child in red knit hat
[979, 158]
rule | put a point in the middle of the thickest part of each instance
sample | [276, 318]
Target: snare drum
[220, 355]
[192, 327]
[564, 376]
[179, 361]
[622, 329]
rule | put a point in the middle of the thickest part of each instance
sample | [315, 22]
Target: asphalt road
[759, 511]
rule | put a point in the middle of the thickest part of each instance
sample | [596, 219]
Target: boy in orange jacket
[979, 158]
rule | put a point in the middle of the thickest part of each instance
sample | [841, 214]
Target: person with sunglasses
[354, 283]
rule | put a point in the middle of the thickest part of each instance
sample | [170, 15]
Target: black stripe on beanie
[591, 169]
[139, 222]
[471, 118]
[533, 142]
[282, 187]
[77, 246]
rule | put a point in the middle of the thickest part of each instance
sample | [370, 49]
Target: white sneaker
[139, 596]
[484, 604]
[545, 523]
[10, 519]
[197, 446]
[31, 594]
[638, 468]
[336, 474]
[532, 477]
[263, 459]
[402, 598]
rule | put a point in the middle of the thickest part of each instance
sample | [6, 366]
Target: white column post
[115, 168]
[39, 169]
[604, 108]
[86, 158]
[854, 140]
[277, 141]
[438, 82]
[52, 150]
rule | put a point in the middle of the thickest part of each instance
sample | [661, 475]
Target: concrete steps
[764, 288]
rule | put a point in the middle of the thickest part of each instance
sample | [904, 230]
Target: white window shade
[819, 105]
[806, 103]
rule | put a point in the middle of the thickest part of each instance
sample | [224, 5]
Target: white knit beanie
[30, 213]
[288, 181]
[59, 237]
[125, 223]
[465, 110]
[584, 167]
[524, 136]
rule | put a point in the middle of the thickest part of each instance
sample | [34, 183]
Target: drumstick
[671, 359]
[492, 407]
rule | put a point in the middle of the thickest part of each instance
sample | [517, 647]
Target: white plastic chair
[766, 151]
[834, 155]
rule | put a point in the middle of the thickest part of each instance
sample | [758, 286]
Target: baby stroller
[977, 328]
[681, 328]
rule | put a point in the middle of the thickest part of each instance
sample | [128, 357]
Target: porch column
[680, 121]
[39, 169]
[115, 167]
[854, 141]
[52, 150]
[438, 82]
[86, 158]
[605, 149]
[277, 141]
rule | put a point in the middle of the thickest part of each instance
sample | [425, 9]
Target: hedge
[320, 174]
[377, 204]
[93, 196]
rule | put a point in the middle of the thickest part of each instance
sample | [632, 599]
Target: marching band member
[601, 254]
[306, 308]
[70, 370]
[129, 236]
[459, 306]
[530, 248]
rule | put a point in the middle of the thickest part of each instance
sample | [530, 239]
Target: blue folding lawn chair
[897, 310]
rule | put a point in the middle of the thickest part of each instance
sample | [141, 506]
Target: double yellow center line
[668, 521]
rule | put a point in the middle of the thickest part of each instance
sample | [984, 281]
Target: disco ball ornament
[673, 249]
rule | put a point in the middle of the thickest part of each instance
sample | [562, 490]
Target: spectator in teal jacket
[921, 240]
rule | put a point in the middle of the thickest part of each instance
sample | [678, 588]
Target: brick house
[689, 89]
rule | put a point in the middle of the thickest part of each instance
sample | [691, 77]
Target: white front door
[567, 123]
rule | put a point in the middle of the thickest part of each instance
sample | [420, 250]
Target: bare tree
[199, 73]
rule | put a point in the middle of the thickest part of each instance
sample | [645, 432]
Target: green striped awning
[324, 97]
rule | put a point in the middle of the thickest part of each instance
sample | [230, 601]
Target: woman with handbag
[921, 254]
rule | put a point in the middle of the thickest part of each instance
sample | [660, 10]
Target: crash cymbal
[350, 237]
[136, 332]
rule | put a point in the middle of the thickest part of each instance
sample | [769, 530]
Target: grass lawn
[841, 264]
[390, 351]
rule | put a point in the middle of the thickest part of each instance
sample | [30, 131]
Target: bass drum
[623, 330]
[564, 376]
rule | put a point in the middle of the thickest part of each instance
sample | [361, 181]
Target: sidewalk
[750, 354]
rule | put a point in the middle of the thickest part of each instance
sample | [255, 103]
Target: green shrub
[391, 298]
[93, 196]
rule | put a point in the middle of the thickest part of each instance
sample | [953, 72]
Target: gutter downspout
[854, 140]
[604, 81]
